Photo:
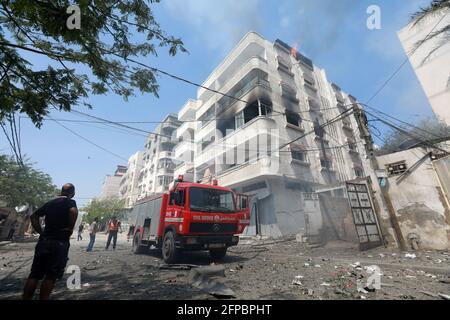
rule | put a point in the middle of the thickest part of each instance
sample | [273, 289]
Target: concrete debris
[299, 277]
[410, 255]
[355, 265]
[325, 284]
[363, 297]
[444, 296]
[430, 294]
[297, 282]
[87, 284]
[317, 266]
[306, 264]
[447, 281]
[178, 266]
[207, 280]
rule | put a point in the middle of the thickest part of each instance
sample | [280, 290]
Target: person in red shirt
[113, 228]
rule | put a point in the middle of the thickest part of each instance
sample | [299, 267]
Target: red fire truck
[192, 216]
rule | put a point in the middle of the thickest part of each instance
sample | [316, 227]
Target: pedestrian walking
[12, 230]
[52, 249]
[113, 228]
[93, 229]
[80, 231]
[130, 232]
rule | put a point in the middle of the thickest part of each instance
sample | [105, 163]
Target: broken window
[359, 172]
[298, 154]
[396, 168]
[293, 119]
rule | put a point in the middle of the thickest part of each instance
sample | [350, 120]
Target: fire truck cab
[192, 216]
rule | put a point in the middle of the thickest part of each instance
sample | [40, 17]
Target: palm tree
[435, 8]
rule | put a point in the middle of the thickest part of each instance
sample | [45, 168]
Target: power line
[90, 142]
[406, 133]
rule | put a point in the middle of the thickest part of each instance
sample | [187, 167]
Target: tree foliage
[441, 33]
[111, 32]
[427, 129]
[104, 209]
[22, 184]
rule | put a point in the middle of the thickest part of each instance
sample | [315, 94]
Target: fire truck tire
[137, 248]
[218, 254]
[169, 251]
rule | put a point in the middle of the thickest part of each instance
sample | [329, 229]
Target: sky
[333, 33]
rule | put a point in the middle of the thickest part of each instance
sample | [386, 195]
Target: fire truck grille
[213, 227]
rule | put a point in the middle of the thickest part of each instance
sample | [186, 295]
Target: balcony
[257, 126]
[227, 102]
[187, 129]
[187, 112]
[251, 45]
[183, 148]
[253, 64]
[165, 155]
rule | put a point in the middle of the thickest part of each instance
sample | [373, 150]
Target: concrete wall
[418, 201]
[433, 73]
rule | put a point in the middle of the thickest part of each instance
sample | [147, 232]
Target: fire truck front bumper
[207, 242]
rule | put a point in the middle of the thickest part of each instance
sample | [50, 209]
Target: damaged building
[256, 137]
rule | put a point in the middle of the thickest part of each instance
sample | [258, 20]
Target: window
[325, 163]
[211, 200]
[396, 168]
[239, 120]
[298, 154]
[293, 119]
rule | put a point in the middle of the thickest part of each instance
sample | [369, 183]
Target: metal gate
[364, 217]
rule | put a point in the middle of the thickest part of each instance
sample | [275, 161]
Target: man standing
[93, 229]
[52, 249]
[113, 229]
[12, 230]
[80, 231]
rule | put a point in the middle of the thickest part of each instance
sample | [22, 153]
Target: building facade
[111, 184]
[432, 66]
[129, 185]
[257, 138]
[158, 162]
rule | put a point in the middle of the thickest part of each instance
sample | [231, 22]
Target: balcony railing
[227, 102]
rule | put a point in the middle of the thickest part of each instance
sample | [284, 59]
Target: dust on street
[283, 269]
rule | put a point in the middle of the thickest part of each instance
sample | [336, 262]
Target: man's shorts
[50, 259]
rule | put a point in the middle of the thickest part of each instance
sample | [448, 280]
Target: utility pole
[365, 134]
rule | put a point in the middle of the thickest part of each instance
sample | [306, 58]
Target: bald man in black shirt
[52, 249]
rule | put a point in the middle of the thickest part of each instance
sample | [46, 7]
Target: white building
[158, 159]
[129, 185]
[281, 95]
[433, 72]
[111, 184]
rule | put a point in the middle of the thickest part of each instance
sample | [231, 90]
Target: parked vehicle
[192, 216]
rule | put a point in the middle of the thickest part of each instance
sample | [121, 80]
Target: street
[283, 269]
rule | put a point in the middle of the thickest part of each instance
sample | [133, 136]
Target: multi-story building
[111, 184]
[129, 185]
[158, 158]
[432, 65]
[256, 138]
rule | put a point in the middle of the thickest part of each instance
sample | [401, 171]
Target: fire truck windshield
[211, 200]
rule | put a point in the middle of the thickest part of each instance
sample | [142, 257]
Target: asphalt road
[282, 270]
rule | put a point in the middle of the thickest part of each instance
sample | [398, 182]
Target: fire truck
[191, 216]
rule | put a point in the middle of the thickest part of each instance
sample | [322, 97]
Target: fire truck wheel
[137, 249]
[169, 251]
[218, 254]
